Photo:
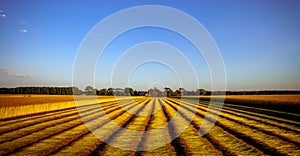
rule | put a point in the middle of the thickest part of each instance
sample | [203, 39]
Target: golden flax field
[51, 125]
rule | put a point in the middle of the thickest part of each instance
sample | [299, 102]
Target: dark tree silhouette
[110, 91]
[102, 92]
[168, 92]
[129, 91]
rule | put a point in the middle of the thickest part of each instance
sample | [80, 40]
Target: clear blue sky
[259, 42]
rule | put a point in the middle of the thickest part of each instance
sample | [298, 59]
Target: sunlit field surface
[285, 99]
[54, 126]
[16, 105]
[287, 103]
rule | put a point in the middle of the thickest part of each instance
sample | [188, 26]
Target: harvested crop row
[23, 118]
[226, 143]
[285, 135]
[254, 117]
[282, 118]
[48, 132]
[41, 119]
[268, 113]
[127, 140]
[88, 143]
[267, 143]
[194, 144]
[153, 141]
[236, 132]
[266, 119]
[177, 142]
[109, 131]
[39, 125]
[64, 138]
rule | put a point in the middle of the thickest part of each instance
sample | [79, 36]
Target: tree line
[89, 90]
[168, 92]
[40, 90]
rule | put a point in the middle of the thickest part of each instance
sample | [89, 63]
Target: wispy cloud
[9, 73]
[2, 14]
[23, 30]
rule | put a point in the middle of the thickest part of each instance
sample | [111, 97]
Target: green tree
[89, 90]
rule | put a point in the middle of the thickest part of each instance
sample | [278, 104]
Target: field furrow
[7, 121]
[177, 142]
[264, 142]
[281, 117]
[193, 142]
[53, 130]
[154, 139]
[41, 119]
[283, 134]
[114, 129]
[90, 141]
[266, 121]
[126, 140]
[151, 126]
[279, 120]
[226, 143]
[34, 126]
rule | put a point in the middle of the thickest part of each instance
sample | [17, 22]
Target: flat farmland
[239, 129]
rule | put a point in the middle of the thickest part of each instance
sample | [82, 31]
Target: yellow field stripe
[32, 138]
[111, 130]
[89, 142]
[125, 139]
[158, 120]
[194, 143]
[45, 118]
